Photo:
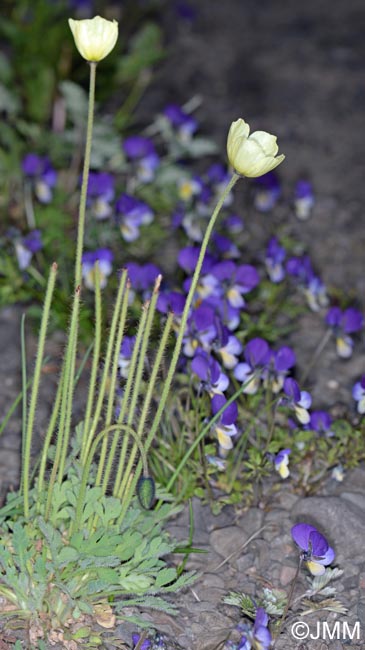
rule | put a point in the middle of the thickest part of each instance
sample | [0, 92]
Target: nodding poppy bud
[95, 37]
[251, 155]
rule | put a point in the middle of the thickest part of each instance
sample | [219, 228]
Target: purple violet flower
[275, 256]
[141, 150]
[132, 213]
[358, 393]
[42, 175]
[229, 351]
[201, 330]
[188, 258]
[300, 268]
[188, 188]
[303, 199]
[213, 380]
[104, 257]
[313, 288]
[321, 422]
[126, 351]
[261, 635]
[32, 165]
[344, 323]
[173, 301]
[217, 173]
[225, 427]
[235, 281]
[296, 399]
[100, 193]
[224, 246]
[317, 553]
[281, 462]
[142, 278]
[233, 223]
[280, 363]
[258, 637]
[184, 124]
[316, 294]
[267, 191]
[137, 146]
[217, 177]
[26, 246]
[146, 645]
[257, 354]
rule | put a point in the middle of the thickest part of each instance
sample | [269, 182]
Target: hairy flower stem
[115, 335]
[122, 475]
[189, 300]
[65, 410]
[70, 357]
[68, 387]
[110, 372]
[27, 435]
[97, 347]
[129, 387]
[69, 363]
[24, 380]
[123, 491]
[85, 176]
[48, 438]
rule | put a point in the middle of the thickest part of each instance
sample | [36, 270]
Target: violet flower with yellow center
[316, 552]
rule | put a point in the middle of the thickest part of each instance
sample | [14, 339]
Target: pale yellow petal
[267, 141]
[252, 155]
[94, 38]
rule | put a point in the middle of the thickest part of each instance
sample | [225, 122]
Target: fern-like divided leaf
[243, 601]
[274, 601]
[330, 604]
[319, 582]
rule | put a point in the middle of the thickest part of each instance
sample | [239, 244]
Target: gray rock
[251, 520]
[212, 580]
[287, 500]
[211, 594]
[228, 540]
[199, 606]
[357, 498]
[245, 562]
[351, 582]
[355, 479]
[359, 610]
[214, 629]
